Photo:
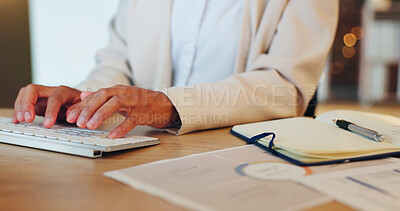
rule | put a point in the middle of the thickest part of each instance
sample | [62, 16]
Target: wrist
[174, 118]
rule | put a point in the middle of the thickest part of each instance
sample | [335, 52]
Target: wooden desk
[33, 179]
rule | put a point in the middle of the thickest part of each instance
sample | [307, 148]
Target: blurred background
[364, 62]
[50, 42]
[53, 42]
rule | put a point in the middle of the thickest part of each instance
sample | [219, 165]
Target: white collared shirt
[205, 37]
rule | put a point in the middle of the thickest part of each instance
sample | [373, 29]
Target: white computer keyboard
[66, 139]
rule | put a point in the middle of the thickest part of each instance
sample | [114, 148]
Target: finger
[74, 113]
[93, 102]
[84, 94]
[53, 107]
[29, 99]
[54, 103]
[14, 119]
[105, 111]
[17, 115]
[69, 110]
[40, 106]
[127, 125]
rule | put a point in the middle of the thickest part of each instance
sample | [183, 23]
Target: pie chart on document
[272, 170]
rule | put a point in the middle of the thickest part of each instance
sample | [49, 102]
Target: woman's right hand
[50, 102]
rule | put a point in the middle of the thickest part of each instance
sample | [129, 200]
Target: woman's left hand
[139, 106]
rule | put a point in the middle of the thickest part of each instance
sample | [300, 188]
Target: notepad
[307, 141]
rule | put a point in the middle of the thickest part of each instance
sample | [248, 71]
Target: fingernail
[20, 117]
[71, 117]
[81, 121]
[27, 116]
[47, 122]
[92, 123]
[14, 119]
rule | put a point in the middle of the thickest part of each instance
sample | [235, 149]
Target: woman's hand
[139, 106]
[50, 102]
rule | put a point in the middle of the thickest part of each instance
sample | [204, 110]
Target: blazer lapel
[244, 40]
[259, 17]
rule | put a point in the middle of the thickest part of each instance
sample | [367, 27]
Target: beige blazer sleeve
[112, 61]
[275, 84]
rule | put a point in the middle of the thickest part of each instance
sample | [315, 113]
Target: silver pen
[359, 130]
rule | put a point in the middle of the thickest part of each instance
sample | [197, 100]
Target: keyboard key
[63, 139]
[40, 135]
[76, 141]
[51, 137]
[89, 143]
[29, 133]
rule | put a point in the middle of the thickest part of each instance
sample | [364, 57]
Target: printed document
[368, 188]
[241, 178]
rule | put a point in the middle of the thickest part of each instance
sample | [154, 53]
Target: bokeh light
[335, 70]
[340, 61]
[350, 39]
[358, 31]
[348, 52]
